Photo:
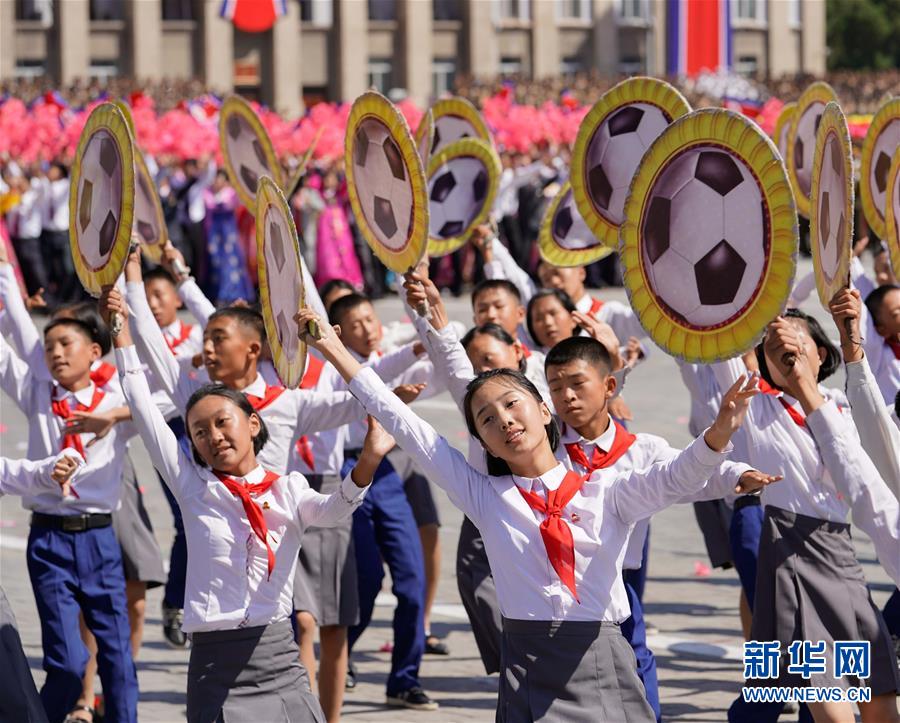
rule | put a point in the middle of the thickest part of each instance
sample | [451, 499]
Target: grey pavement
[694, 612]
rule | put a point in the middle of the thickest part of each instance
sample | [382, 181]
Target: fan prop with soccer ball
[892, 214]
[564, 238]
[101, 201]
[294, 182]
[610, 143]
[149, 223]
[247, 149]
[709, 242]
[881, 142]
[281, 287]
[463, 178]
[453, 119]
[831, 211]
[425, 137]
[782, 130]
[802, 141]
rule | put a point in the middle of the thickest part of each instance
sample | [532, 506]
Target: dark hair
[333, 284]
[61, 167]
[343, 306]
[561, 296]
[160, 273]
[492, 285]
[496, 466]
[494, 330]
[876, 298]
[87, 313]
[235, 397]
[248, 318]
[91, 333]
[832, 355]
[582, 348]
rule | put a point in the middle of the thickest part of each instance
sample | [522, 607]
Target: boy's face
[486, 353]
[888, 322]
[229, 350]
[163, 300]
[580, 392]
[361, 329]
[498, 306]
[69, 354]
[570, 280]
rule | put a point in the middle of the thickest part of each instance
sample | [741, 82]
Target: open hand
[97, 423]
[409, 392]
[753, 480]
[377, 442]
[735, 403]
[36, 300]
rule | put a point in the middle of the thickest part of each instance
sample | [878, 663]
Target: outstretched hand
[735, 403]
[753, 480]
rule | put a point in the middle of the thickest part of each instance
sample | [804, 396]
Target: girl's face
[888, 322]
[550, 321]
[221, 433]
[570, 280]
[509, 420]
[813, 355]
[487, 353]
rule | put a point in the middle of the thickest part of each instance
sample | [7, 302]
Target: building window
[794, 13]
[573, 9]
[443, 75]
[512, 9]
[751, 10]
[382, 10]
[177, 10]
[30, 68]
[510, 66]
[37, 10]
[107, 10]
[634, 10]
[317, 12]
[571, 66]
[631, 64]
[447, 9]
[380, 75]
[103, 69]
[747, 65]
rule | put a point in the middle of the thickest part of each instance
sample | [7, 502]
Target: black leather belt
[746, 501]
[72, 523]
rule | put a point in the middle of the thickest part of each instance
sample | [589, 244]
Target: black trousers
[31, 260]
[64, 284]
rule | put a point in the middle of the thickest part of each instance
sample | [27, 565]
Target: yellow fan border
[460, 107]
[552, 252]
[888, 112]
[891, 222]
[818, 92]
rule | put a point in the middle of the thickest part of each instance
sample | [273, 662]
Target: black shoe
[435, 646]
[350, 682]
[172, 620]
[414, 698]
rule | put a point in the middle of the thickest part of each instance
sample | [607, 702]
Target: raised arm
[16, 378]
[25, 338]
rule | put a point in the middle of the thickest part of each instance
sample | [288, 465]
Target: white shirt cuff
[825, 421]
[350, 492]
[707, 456]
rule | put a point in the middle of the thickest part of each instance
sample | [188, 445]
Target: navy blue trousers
[635, 632]
[891, 613]
[82, 571]
[384, 529]
[173, 597]
[638, 578]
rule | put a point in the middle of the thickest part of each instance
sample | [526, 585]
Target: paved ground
[697, 640]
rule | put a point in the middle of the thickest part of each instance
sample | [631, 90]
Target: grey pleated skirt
[249, 675]
[141, 555]
[810, 586]
[478, 594]
[325, 583]
[569, 672]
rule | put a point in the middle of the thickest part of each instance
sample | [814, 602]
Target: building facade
[335, 49]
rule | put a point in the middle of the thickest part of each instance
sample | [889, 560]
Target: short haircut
[875, 300]
[497, 467]
[249, 319]
[561, 296]
[239, 400]
[493, 285]
[343, 306]
[160, 273]
[494, 330]
[91, 333]
[582, 348]
[88, 313]
[333, 284]
[832, 355]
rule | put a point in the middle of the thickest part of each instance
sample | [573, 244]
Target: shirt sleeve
[504, 266]
[316, 509]
[16, 378]
[318, 411]
[873, 505]
[645, 492]
[24, 476]
[23, 333]
[451, 363]
[394, 363]
[195, 300]
[469, 490]
[161, 443]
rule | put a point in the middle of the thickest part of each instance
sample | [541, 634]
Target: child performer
[806, 554]
[244, 526]
[563, 655]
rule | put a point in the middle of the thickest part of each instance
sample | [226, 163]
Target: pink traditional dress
[335, 255]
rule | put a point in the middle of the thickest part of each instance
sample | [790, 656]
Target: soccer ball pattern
[887, 142]
[805, 145]
[456, 193]
[568, 227]
[282, 272]
[245, 152]
[705, 234]
[449, 128]
[832, 193]
[99, 202]
[614, 153]
[145, 221]
[782, 140]
[383, 184]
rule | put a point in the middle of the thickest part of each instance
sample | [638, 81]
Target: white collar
[82, 396]
[253, 477]
[585, 303]
[605, 440]
[551, 479]
[174, 329]
[257, 387]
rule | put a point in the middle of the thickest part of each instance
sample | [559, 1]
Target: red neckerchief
[314, 367]
[254, 513]
[767, 388]
[596, 305]
[599, 459]
[260, 403]
[62, 410]
[174, 342]
[526, 352]
[894, 344]
[102, 374]
[555, 531]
